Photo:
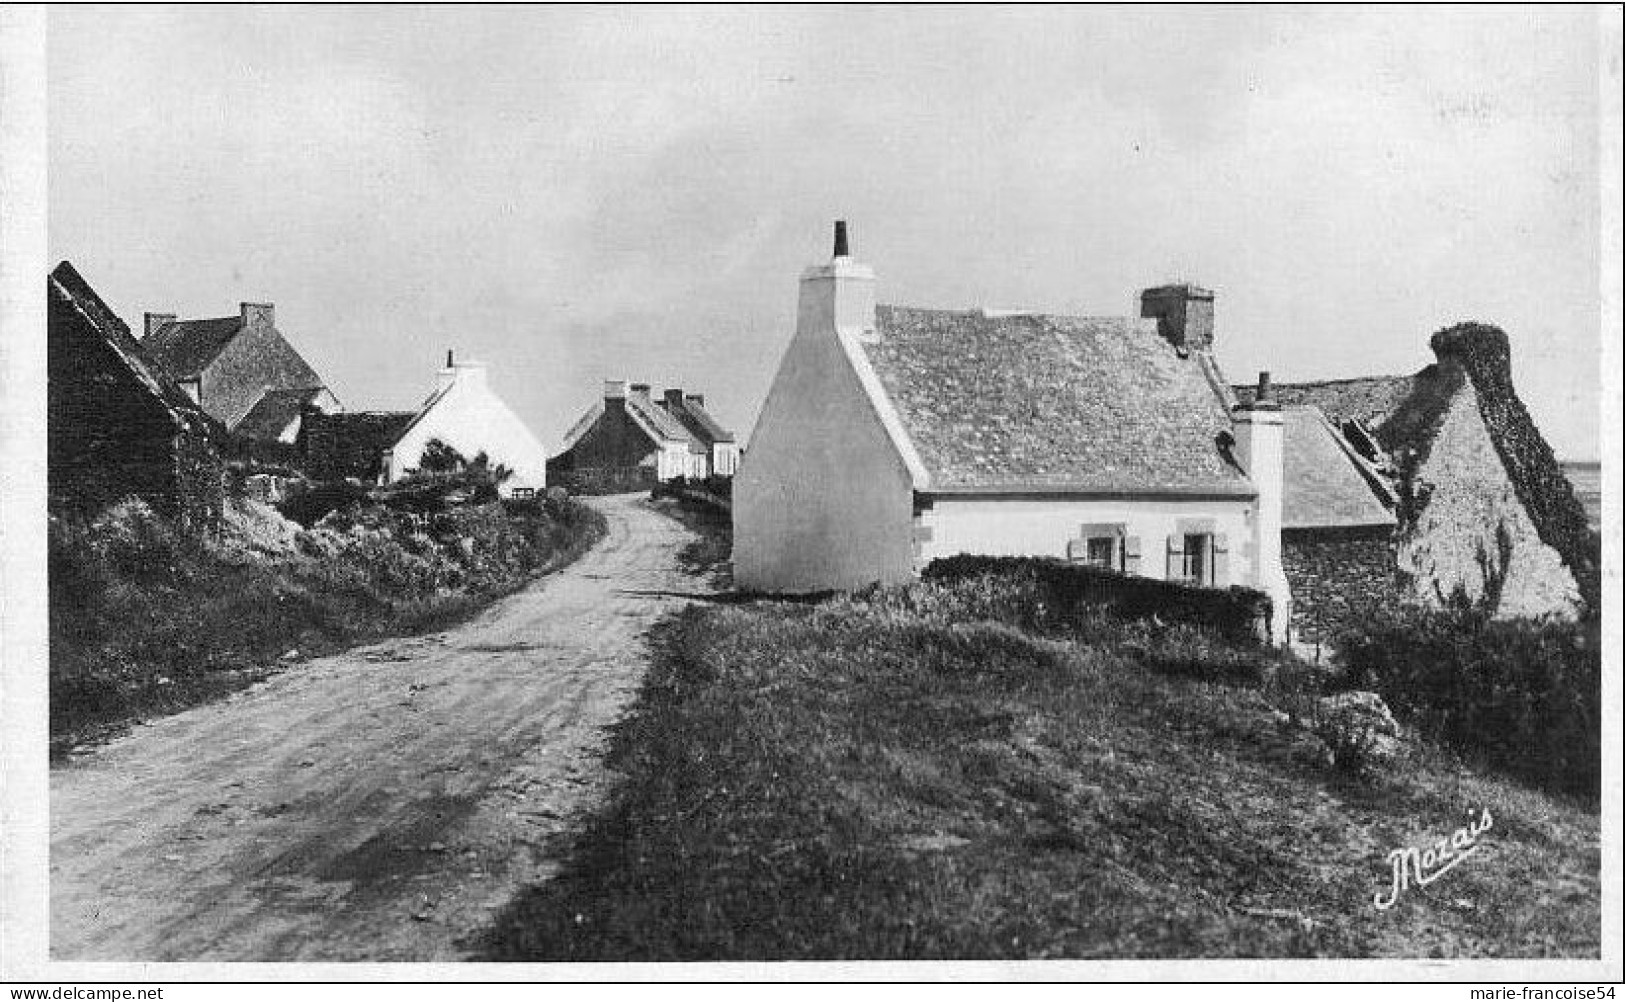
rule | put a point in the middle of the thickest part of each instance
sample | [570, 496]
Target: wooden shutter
[1131, 555]
[1221, 560]
[1176, 558]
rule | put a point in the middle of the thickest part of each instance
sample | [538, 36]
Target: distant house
[240, 370]
[1484, 509]
[630, 440]
[894, 435]
[464, 413]
[117, 425]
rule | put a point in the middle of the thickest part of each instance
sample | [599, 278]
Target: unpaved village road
[379, 804]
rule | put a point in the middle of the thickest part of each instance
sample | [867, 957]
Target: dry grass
[869, 779]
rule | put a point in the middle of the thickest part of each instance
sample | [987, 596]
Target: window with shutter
[1221, 561]
[1131, 555]
[1176, 559]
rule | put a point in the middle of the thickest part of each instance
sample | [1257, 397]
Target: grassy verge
[879, 778]
[146, 620]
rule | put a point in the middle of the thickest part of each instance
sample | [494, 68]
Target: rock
[1359, 729]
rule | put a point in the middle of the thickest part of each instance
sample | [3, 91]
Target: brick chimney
[615, 391]
[639, 389]
[838, 296]
[263, 313]
[153, 321]
[1184, 315]
[1261, 451]
[673, 400]
[697, 399]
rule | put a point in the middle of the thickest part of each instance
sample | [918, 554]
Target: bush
[1067, 591]
[1525, 696]
[146, 618]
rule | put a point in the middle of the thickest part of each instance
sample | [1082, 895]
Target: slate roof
[186, 347]
[1327, 485]
[1015, 403]
[1368, 400]
[656, 416]
[67, 283]
[700, 423]
[274, 412]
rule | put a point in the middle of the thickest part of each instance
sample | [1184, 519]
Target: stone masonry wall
[1337, 575]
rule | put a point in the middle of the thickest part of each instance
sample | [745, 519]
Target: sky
[575, 194]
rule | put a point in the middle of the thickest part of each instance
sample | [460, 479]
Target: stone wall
[108, 434]
[1336, 576]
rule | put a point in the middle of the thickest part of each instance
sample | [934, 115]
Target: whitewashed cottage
[893, 435]
[466, 414]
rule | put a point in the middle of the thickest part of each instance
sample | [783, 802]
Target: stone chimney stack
[674, 400]
[838, 296]
[153, 321]
[1261, 451]
[263, 313]
[639, 389]
[1184, 315]
[614, 393]
[697, 399]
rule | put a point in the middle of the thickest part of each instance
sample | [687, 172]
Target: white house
[464, 413]
[892, 436]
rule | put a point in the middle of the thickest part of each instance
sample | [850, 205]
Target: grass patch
[881, 777]
[145, 619]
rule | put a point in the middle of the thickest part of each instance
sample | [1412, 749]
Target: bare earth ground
[379, 804]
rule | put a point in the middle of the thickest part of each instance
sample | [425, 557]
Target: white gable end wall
[472, 419]
[823, 498]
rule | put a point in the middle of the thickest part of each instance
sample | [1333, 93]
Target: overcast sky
[574, 194]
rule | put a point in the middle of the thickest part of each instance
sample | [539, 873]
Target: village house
[463, 412]
[895, 435]
[1484, 514]
[240, 370]
[117, 426]
[629, 440]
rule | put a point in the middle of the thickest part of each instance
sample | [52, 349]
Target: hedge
[1237, 613]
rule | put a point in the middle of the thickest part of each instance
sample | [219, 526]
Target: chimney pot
[840, 239]
[1263, 395]
[449, 363]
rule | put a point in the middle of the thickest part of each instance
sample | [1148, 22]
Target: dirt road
[380, 804]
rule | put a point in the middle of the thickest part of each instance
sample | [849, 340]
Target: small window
[1198, 563]
[1097, 546]
[524, 492]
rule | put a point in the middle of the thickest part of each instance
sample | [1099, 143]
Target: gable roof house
[117, 425]
[240, 370]
[464, 413]
[629, 440]
[1484, 509]
[895, 435]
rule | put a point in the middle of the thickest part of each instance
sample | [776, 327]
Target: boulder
[1359, 729]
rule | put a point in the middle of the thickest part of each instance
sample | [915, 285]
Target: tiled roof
[186, 347]
[1326, 484]
[68, 284]
[1046, 403]
[274, 412]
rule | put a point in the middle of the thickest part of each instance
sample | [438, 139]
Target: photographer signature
[1426, 866]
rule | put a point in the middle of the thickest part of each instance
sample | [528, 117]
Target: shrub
[1525, 696]
[1056, 588]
